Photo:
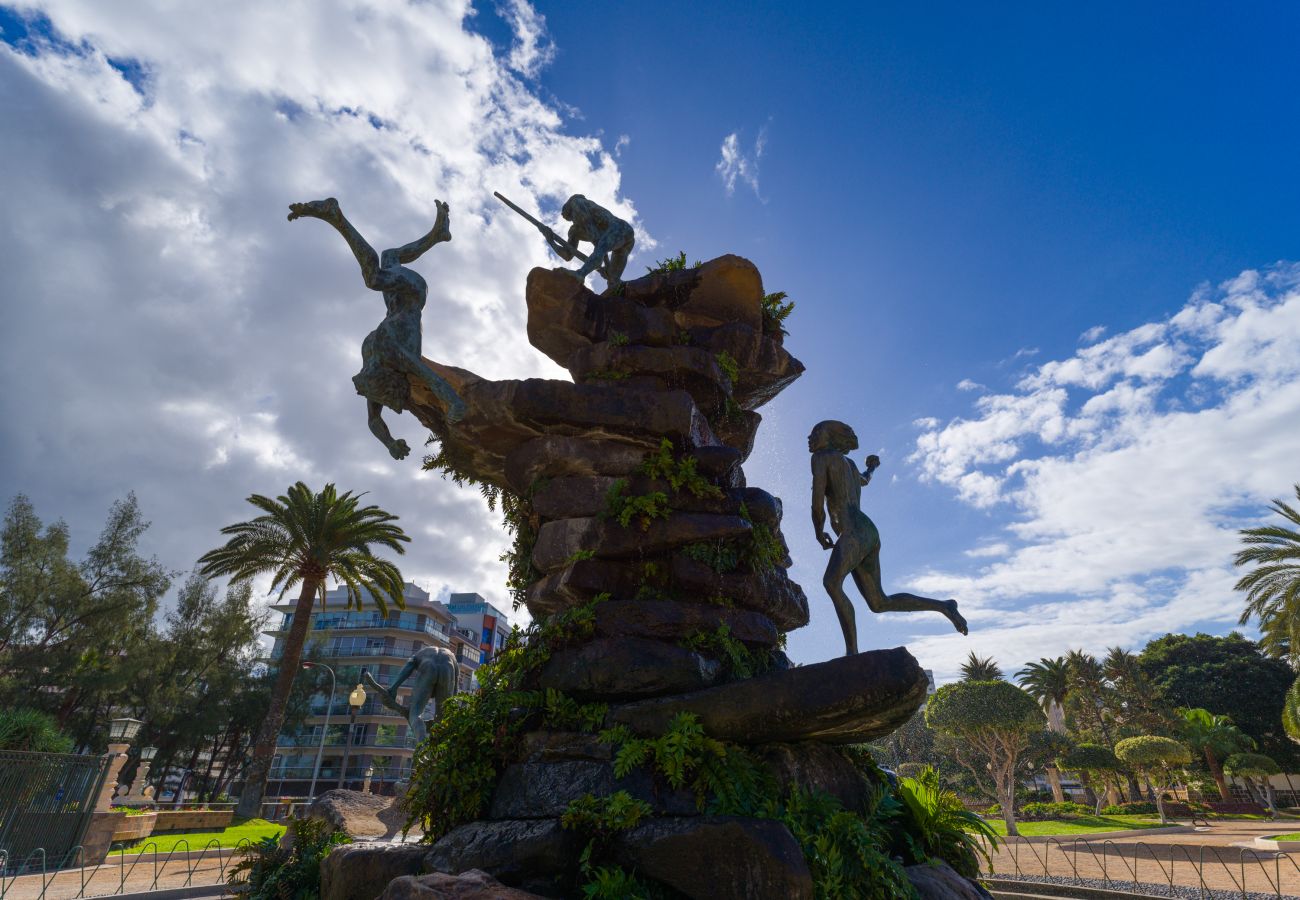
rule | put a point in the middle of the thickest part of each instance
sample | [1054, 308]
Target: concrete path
[1192, 859]
[118, 875]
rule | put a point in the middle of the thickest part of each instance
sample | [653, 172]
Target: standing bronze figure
[837, 487]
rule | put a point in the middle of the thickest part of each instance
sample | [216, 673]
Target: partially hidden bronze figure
[391, 352]
[837, 487]
[432, 671]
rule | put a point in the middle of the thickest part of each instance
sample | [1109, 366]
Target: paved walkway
[118, 875]
[1206, 856]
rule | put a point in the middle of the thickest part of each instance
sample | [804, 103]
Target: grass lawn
[1079, 825]
[251, 830]
[1293, 836]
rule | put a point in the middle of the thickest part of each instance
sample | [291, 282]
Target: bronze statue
[391, 352]
[435, 674]
[611, 239]
[837, 487]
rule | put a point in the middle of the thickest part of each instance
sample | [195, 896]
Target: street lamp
[123, 731]
[356, 700]
[141, 782]
[320, 751]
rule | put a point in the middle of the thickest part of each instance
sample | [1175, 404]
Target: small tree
[1216, 737]
[1251, 766]
[996, 719]
[1095, 765]
[1157, 758]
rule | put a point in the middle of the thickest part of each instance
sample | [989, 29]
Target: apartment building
[375, 742]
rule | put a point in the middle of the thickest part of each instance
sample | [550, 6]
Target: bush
[1037, 812]
[33, 731]
[945, 828]
[1141, 808]
[288, 873]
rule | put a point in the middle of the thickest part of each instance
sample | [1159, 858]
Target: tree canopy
[1227, 676]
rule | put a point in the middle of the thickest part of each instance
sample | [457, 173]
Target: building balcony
[367, 625]
[330, 772]
[341, 743]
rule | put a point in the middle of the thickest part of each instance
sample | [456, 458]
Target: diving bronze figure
[390, 354]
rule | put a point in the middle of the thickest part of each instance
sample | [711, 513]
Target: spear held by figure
[611, 238]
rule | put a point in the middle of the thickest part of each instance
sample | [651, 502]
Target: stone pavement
[1206, 857]
[122, 874]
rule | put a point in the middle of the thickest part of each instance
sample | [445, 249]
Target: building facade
[475, 614]
[374, 742]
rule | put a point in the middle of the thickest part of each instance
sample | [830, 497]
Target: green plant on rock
[269, 871]
[477, 735]
[642, 509]
[618, 338]
[775, 312]
[720, 556]
[600, 819]
[845, 852]
[609, 374]
[680, 472]
[729, 366]
[725, 779]
[944, 827]
[737, 658]
[671, 264]
[765, 552]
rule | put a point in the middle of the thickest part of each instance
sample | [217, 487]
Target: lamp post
[120, 734]
[356, 700]
[141, 783]
[320, 751]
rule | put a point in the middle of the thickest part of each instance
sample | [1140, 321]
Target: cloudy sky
[1043, 262]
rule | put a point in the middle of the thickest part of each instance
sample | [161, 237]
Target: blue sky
[954, 196]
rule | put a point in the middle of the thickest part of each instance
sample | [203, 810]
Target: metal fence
[38, 877]
[1163, 869]
[46, 800]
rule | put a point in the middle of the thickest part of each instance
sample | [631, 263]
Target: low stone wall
[133, 828]
[192, 820]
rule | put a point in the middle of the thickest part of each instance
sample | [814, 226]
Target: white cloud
[176, 336]
[1092, 335]
[734, 164]
[1127, 469]
[533, 49]
[967, 385]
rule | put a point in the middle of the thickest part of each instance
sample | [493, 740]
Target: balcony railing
[331, 772]
[313, 740]
[319, 624]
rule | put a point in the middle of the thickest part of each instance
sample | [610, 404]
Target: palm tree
[1048, 682]
[1216, 738]
[306, 538]
[977, 669]
[1273, 587]
[1136, 695]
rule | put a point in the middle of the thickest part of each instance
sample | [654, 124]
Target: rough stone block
[627, 667]
[534, 854]
[559, 541]
[841, 701]
[718, 857]
[359, 871]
